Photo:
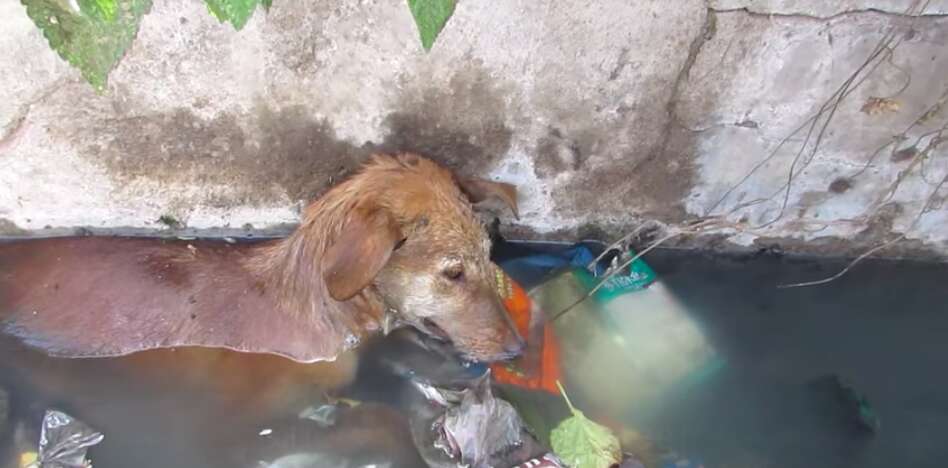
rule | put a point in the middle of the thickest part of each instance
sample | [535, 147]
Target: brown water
[883, 327]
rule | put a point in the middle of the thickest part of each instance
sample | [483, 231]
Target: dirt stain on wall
[270, 154]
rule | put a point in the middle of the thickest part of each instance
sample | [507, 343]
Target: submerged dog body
[398, 243]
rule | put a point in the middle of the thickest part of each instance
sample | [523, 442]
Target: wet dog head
[414, 238]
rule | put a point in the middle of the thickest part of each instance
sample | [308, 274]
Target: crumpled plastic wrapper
[344, 434]
[470, 427]
[546, 461]
[317, 460]
[410, 355]
[64, 442]
[323, 415]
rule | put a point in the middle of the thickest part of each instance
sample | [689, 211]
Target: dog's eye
[454, 273]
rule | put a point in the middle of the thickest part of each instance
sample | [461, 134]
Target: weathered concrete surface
[605, 114]
[826, 9]
[760, 78]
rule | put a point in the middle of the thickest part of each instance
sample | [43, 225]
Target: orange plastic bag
[539, 367]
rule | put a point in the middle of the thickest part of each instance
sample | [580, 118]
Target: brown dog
[398, 243]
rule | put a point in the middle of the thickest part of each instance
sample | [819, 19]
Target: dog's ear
[361, 249]
[478, 190]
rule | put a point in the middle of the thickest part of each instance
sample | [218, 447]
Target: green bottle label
[638, 277]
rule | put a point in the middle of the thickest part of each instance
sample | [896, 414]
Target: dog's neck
[292, 271]
[293, 268]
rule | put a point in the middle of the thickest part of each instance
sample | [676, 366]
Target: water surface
[883, 327]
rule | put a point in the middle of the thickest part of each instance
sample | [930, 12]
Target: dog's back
[104, 297]
[95, 282]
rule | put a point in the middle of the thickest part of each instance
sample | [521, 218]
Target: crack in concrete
[12, 131]
[746, 123]
[706, 33]
[15, 126]
[824, 18]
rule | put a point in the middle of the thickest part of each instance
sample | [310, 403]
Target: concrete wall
[605, 113]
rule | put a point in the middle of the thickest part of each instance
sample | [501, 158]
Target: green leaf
[94, 38]
[100, 9]
[430, 17]
[236, 12]
[582, 443]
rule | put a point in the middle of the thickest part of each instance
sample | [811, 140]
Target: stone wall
[805, 124]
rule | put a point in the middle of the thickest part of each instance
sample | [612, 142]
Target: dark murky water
[883, 328]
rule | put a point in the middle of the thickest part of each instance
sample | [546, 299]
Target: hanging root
[926, 207]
